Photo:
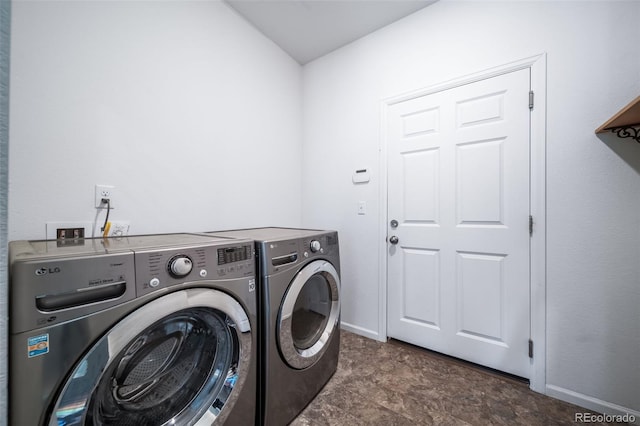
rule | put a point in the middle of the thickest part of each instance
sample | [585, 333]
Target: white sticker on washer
[38, 345]
[252, 285]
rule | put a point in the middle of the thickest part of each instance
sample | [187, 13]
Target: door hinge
[530, 348]
[531, 99]
[530, 225]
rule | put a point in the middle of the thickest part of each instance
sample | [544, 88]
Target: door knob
[393, 240]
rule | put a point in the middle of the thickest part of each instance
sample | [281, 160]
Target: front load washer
[142, 330]
[299, 282]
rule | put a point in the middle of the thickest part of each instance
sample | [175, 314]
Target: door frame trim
[537, 201]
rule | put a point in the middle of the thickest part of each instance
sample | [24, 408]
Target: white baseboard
[591, 403]
[362, 331]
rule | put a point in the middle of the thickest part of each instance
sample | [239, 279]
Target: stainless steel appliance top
[268, 234]
[38, 249]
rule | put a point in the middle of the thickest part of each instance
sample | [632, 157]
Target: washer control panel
[156, 269]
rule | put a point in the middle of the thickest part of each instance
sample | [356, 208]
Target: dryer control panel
[156, 269]
[282, 255]
[320, 245]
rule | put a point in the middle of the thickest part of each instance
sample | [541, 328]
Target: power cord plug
[106, 201]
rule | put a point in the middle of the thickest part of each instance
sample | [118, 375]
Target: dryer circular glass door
[309, 314]
[173, 361]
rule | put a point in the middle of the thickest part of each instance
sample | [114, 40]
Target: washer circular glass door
[175, 360]
[309, 314]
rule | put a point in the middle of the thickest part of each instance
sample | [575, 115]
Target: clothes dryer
[299, 289]
[141, 330]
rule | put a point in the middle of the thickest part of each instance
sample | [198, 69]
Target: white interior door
[458, 187]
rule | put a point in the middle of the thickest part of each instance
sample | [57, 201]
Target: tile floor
[398, 384]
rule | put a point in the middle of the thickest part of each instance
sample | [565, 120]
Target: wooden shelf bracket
[626, 123]
[628, 132]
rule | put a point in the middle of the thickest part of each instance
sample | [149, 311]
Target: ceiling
[308, 29]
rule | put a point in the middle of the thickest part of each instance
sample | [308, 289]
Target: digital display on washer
[233, 254]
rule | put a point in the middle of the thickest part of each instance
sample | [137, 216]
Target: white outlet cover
[98, 194]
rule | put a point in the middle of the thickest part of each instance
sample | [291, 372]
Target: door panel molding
[537, 66]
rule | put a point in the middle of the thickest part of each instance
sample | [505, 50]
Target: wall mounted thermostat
[361, 176]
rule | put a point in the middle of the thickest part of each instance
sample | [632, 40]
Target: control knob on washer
[180, 266]
[315, 246]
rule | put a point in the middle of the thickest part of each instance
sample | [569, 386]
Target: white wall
[593, 225]
[190, 112]
[5, 38]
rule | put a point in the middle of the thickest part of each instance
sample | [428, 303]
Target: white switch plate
[362, 207]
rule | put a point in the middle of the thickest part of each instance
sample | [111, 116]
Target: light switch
[362, 207]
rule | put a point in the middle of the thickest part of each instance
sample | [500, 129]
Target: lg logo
[44, 271]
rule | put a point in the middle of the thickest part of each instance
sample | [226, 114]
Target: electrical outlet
[104, 191]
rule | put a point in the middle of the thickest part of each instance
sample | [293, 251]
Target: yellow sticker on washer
[38, 345]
